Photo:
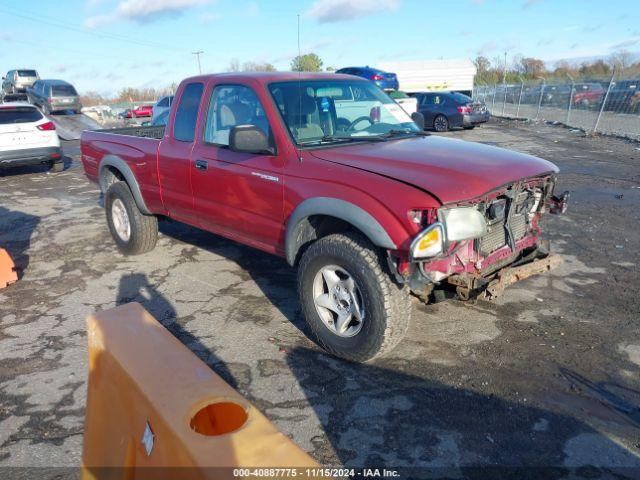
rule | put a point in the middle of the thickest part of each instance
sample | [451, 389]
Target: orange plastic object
[152, 403]
[8, 272]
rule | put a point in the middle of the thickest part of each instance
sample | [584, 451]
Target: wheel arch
[113, 169]
[302, 227]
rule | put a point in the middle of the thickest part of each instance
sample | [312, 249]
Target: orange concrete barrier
[8, 271]
[152, 403]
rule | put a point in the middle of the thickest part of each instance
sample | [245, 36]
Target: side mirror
[249, 139]
[418, 119]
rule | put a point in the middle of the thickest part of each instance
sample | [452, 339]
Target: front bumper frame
[490, 287]
[489, 283]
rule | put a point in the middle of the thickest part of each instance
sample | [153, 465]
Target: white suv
[27, 137]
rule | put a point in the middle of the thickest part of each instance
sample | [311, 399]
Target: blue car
[385, 80]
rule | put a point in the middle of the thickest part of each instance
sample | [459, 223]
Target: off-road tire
[57, 167]
[387, 305]
[144, 228]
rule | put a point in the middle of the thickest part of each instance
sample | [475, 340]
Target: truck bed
[152, 131]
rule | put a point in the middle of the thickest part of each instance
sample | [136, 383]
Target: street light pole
[197, 54]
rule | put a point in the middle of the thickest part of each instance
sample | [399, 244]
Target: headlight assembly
[462, 223]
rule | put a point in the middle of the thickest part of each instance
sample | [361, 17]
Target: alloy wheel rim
[338, 301]
[441, 124]
[120, 218]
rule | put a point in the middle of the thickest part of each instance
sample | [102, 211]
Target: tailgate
[18, 128]
[20, 137]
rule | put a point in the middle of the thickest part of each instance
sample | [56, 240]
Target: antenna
[299, 85]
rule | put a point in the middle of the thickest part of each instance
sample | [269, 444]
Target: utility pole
[504, 73]
[197, 54]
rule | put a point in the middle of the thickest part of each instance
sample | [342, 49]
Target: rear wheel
[57, 167]
[441, 123]
[352, 305]
[133, 232]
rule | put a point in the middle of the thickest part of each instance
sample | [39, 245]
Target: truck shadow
[16, 229]
[376, 417]
[383, 417]
[136, 287]
[275, 278]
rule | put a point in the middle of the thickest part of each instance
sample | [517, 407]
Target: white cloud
[328, 11]
[143, 11]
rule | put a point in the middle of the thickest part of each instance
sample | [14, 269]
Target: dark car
[54, 96]
[621, 94]
[385, 80]
[445, 110]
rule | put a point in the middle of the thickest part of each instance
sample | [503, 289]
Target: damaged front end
[476, 249]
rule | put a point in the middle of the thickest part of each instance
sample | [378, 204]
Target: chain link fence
[608, 105]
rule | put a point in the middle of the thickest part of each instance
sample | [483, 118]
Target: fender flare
[333, 207]
[120, 165]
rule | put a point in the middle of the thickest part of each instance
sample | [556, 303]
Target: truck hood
[451, 170]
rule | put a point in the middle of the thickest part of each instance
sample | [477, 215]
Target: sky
[105, 45]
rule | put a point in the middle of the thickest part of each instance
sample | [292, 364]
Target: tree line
[489, 72]
[494, 71]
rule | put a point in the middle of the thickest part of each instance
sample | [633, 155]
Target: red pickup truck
[329, 172]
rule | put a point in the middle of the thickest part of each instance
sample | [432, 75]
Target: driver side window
[230, 106]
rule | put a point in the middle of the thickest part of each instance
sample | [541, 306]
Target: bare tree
[621, 60]
[234, 65]
[258, 67]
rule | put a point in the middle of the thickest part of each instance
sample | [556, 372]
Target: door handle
[202, 164]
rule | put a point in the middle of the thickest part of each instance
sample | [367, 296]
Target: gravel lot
[626, 125]
[549, 375]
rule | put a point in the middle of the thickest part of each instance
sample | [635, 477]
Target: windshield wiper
[396, 132]
[358, 138]
[333, 138]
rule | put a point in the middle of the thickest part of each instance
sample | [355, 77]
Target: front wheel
[441, 123]
[133, 232]
[353, 307]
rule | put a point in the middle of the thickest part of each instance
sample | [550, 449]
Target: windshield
[63, 91]
[334, 111]
[19, 115]
[460, 98]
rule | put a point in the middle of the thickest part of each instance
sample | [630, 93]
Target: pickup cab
[328, 172]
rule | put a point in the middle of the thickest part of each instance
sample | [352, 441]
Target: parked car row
[624, 95]
[442, 110]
